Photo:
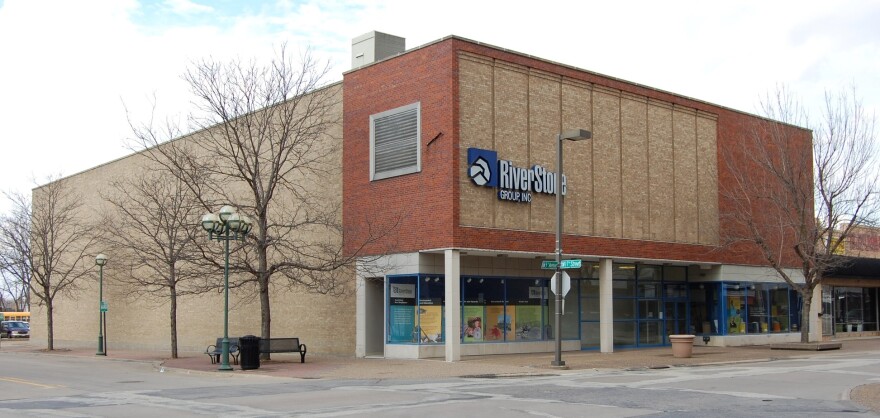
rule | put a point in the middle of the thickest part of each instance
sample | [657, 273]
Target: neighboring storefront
[849, 299]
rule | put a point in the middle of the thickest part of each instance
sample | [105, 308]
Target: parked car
[15, 329]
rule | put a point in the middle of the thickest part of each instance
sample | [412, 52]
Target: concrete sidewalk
[329, 367]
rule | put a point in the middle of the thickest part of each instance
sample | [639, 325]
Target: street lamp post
[227, 225]
[100, 260]
[571, 135]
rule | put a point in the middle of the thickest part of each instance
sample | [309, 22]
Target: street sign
[103, 306]
[570, 264]
[566, 264]
[566, 283]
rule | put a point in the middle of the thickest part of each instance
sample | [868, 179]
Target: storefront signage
[402, 294]
[514, 183]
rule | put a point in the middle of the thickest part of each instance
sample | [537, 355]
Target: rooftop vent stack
[375, 46]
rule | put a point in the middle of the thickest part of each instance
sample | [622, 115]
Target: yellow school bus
[17, 316]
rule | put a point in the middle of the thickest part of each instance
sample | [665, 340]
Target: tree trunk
[807, 296]
[49, 327]
[266, 316]
[173, 322]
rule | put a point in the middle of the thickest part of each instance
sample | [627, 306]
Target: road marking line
[26, 382]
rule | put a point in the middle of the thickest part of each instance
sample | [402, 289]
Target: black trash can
[249, 357]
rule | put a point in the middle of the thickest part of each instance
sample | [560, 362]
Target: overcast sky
[69, 69]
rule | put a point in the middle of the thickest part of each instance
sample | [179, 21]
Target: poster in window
[528, 322]
[431, 323]
[498, 322]
[402, 314]
[402, 323]
[473, 323]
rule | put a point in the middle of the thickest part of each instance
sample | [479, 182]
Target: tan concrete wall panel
[478, 204]
[577, 113]
[707, 168]
[325, 323]
[606, 160]
[511, 134]
[661, 200]
[543, 129]
[685, 153]
[634, 166]
[650, 171]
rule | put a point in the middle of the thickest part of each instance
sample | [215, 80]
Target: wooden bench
[284, 345]
[214, 351]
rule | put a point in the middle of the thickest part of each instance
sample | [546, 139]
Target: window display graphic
[498, 324]
[403, 320]
[402, 313]
[473, 317]
[431, 324]
[528, 323]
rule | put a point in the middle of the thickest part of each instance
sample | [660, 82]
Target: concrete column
[815, 308]
[452, 270]
[606, 307]
[360, 339]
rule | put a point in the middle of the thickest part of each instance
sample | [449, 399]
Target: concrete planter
[682, 345]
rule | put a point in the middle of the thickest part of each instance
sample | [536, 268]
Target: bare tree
[13, 288]
[51, 240]
[796, 204]
[268, 140]
[15, 267]
[153, 227]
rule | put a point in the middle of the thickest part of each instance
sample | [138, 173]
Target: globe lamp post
[227, 225]
[101, 260]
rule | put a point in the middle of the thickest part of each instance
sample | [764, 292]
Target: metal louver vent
[396, 142]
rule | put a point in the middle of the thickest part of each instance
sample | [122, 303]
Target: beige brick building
[459, 268]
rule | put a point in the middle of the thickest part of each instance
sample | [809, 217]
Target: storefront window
[850, 309]
[870, 303]
[502, 309]
[589, 335]
[779, 312]
[569, 320]
[482, 297]
[624, 303]
[402, 310]
[705, 308]
[527, 308]
[589, 288]
[625, 333]
[589, 313]
[430, 312]
[735, 303]
[757, 310]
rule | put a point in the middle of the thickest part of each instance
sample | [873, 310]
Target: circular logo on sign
[480, 172]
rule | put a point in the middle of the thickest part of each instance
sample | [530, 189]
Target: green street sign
[103, 306]
[566, 264]
[570, 264]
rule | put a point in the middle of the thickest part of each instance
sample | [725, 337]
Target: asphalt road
[66, 386]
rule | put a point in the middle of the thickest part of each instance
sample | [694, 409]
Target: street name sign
[566, 264]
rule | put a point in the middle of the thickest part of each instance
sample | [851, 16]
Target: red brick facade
[420, 211]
